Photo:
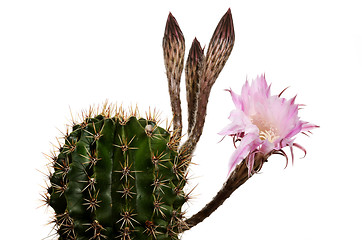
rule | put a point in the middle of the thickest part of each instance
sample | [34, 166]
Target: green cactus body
[117, 177]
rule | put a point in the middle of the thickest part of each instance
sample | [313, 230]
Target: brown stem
[189, 146]
[237, 178]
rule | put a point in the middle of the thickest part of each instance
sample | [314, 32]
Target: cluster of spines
[97, 183]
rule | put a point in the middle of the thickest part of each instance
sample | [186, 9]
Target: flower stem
[237, 178]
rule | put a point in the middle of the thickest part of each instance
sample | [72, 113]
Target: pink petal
[245, 147]
[236, 99]
[308, 126]
[281, 152]
[301, 148]
[292, 153]
[238, 123]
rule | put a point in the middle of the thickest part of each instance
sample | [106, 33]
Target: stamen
[268, 135]
[266, 129]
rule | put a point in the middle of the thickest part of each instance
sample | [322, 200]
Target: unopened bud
[193, 71]
[220, 47]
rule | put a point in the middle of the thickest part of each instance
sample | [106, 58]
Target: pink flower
[263, 123]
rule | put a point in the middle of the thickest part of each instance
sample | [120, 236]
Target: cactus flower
[263, 123]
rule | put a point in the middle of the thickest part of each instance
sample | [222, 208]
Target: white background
[56, 55]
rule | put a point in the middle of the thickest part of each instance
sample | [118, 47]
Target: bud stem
[237, 178]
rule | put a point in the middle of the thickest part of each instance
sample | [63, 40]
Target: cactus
[117, 176]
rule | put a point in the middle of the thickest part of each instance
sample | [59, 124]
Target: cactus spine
[117, 177]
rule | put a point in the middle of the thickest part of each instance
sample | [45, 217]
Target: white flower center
[267, 131]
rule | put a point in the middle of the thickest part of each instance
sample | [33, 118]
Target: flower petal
[239, 123]
[247, 144]
[236, 99]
